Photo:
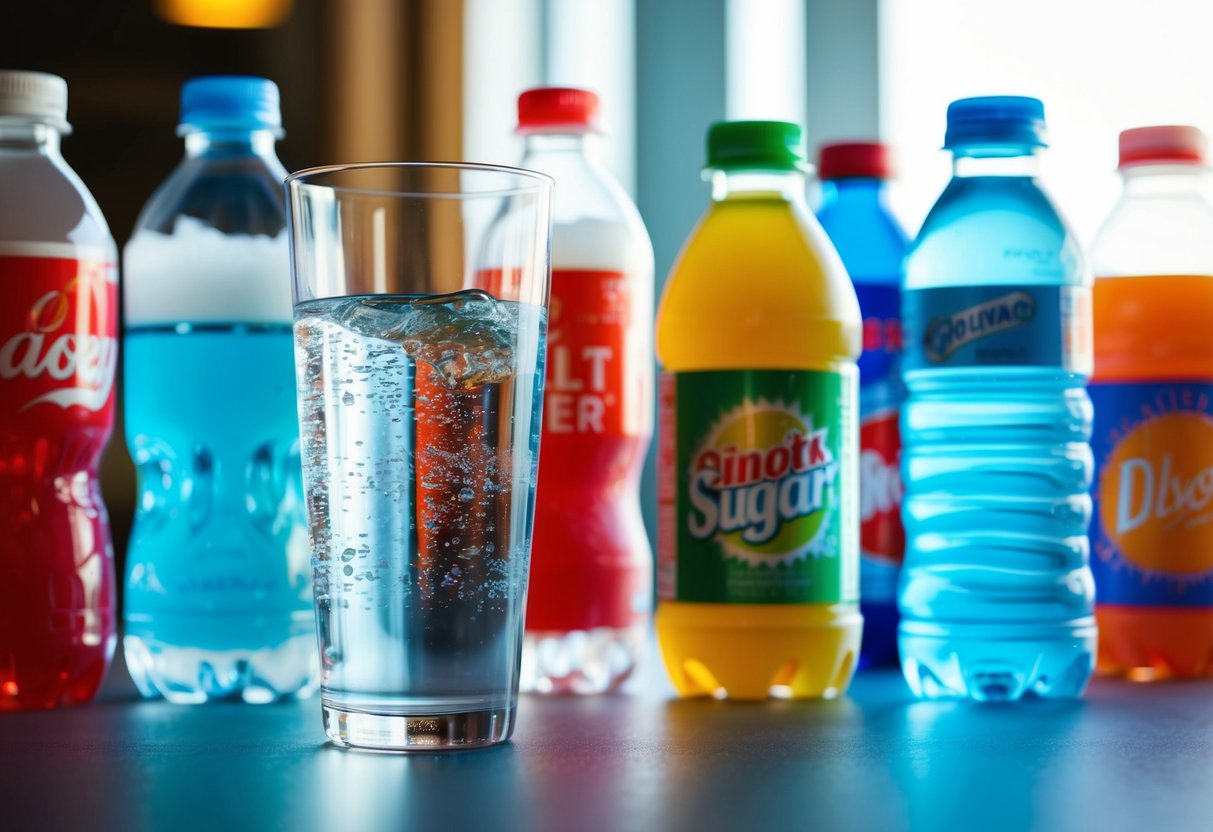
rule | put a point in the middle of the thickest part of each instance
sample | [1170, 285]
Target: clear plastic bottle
[1153, 395]
[218, 591]
[591, 582]
[996, 593]
[855, 213]
[58, 356]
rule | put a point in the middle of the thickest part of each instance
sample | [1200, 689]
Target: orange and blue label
[1152, 533]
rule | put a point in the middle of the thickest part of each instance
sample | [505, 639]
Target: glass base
[398, 732]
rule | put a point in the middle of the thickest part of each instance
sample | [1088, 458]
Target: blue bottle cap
[996, 120]
[231, 102]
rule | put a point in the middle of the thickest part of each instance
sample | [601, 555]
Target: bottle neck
[857, 192]
[1165, 180]
[1009, 162]
[230, 143]
[24, 136]
[758, 184]
[562, 147]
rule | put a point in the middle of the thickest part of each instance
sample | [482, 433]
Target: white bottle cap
[37, 96]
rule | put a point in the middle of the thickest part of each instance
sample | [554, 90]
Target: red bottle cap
[1160, 145]
[557, 110]
[855, 160]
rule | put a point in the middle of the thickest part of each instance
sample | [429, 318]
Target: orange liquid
[1158, 329]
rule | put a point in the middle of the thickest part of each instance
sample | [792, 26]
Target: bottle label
[591, 563]
[880, 305]
[1152, 534]
[58, 341]
[758, 487]
[983, 326]
[881, 536]
[594, 348]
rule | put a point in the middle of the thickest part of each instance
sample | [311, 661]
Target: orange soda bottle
[1152, 539]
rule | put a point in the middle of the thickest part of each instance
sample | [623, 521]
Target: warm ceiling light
[225, 14]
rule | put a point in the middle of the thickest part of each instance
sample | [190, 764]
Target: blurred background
[438, 80]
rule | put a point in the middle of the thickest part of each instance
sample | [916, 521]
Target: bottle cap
[232, 102]
[1177, 144]
[854, 160]
[996, 120]
[38, 96]
[557, 110]
[756, 145]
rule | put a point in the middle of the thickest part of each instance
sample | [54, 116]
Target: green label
[758, 487]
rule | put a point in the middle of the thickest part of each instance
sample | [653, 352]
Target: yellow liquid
[758, 287]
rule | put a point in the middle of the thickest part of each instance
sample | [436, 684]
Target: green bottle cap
[755, 145]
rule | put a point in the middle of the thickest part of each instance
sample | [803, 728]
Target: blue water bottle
[218, 588]
[996, 593]
[854, 210]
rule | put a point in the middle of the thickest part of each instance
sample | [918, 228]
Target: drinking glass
[420, 317]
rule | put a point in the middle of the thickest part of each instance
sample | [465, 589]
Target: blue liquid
[996, 593]
[872, 246]
[218, 593]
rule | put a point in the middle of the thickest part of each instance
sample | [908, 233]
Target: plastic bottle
[591, 581]
[758, 501]
[1153, 395]
[996, 592]
[855, 213]
[218, 597]
[58, 355]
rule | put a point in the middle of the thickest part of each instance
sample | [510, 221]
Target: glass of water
[420, 318]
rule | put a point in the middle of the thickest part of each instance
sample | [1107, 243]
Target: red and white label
[589, 332]
[58, 339]
[881, 534]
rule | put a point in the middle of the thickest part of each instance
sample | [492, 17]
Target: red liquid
[57, 357]
[590, 561]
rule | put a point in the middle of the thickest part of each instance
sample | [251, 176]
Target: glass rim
[530, 181]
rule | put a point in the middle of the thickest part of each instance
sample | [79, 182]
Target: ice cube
[466, 337]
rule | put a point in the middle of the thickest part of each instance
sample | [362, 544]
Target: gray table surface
[1128, 757]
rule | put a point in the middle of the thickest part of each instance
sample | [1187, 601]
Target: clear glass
[218, 595]
[420, 324]
[591, 590]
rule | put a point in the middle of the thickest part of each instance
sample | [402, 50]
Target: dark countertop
[1129, 757]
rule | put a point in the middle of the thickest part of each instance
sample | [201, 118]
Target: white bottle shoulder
[201, 275]
[58, 216]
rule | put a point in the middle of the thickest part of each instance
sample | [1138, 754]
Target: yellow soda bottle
[758, 518]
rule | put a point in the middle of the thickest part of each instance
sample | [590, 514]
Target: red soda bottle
[58, 355]
[590, 591]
